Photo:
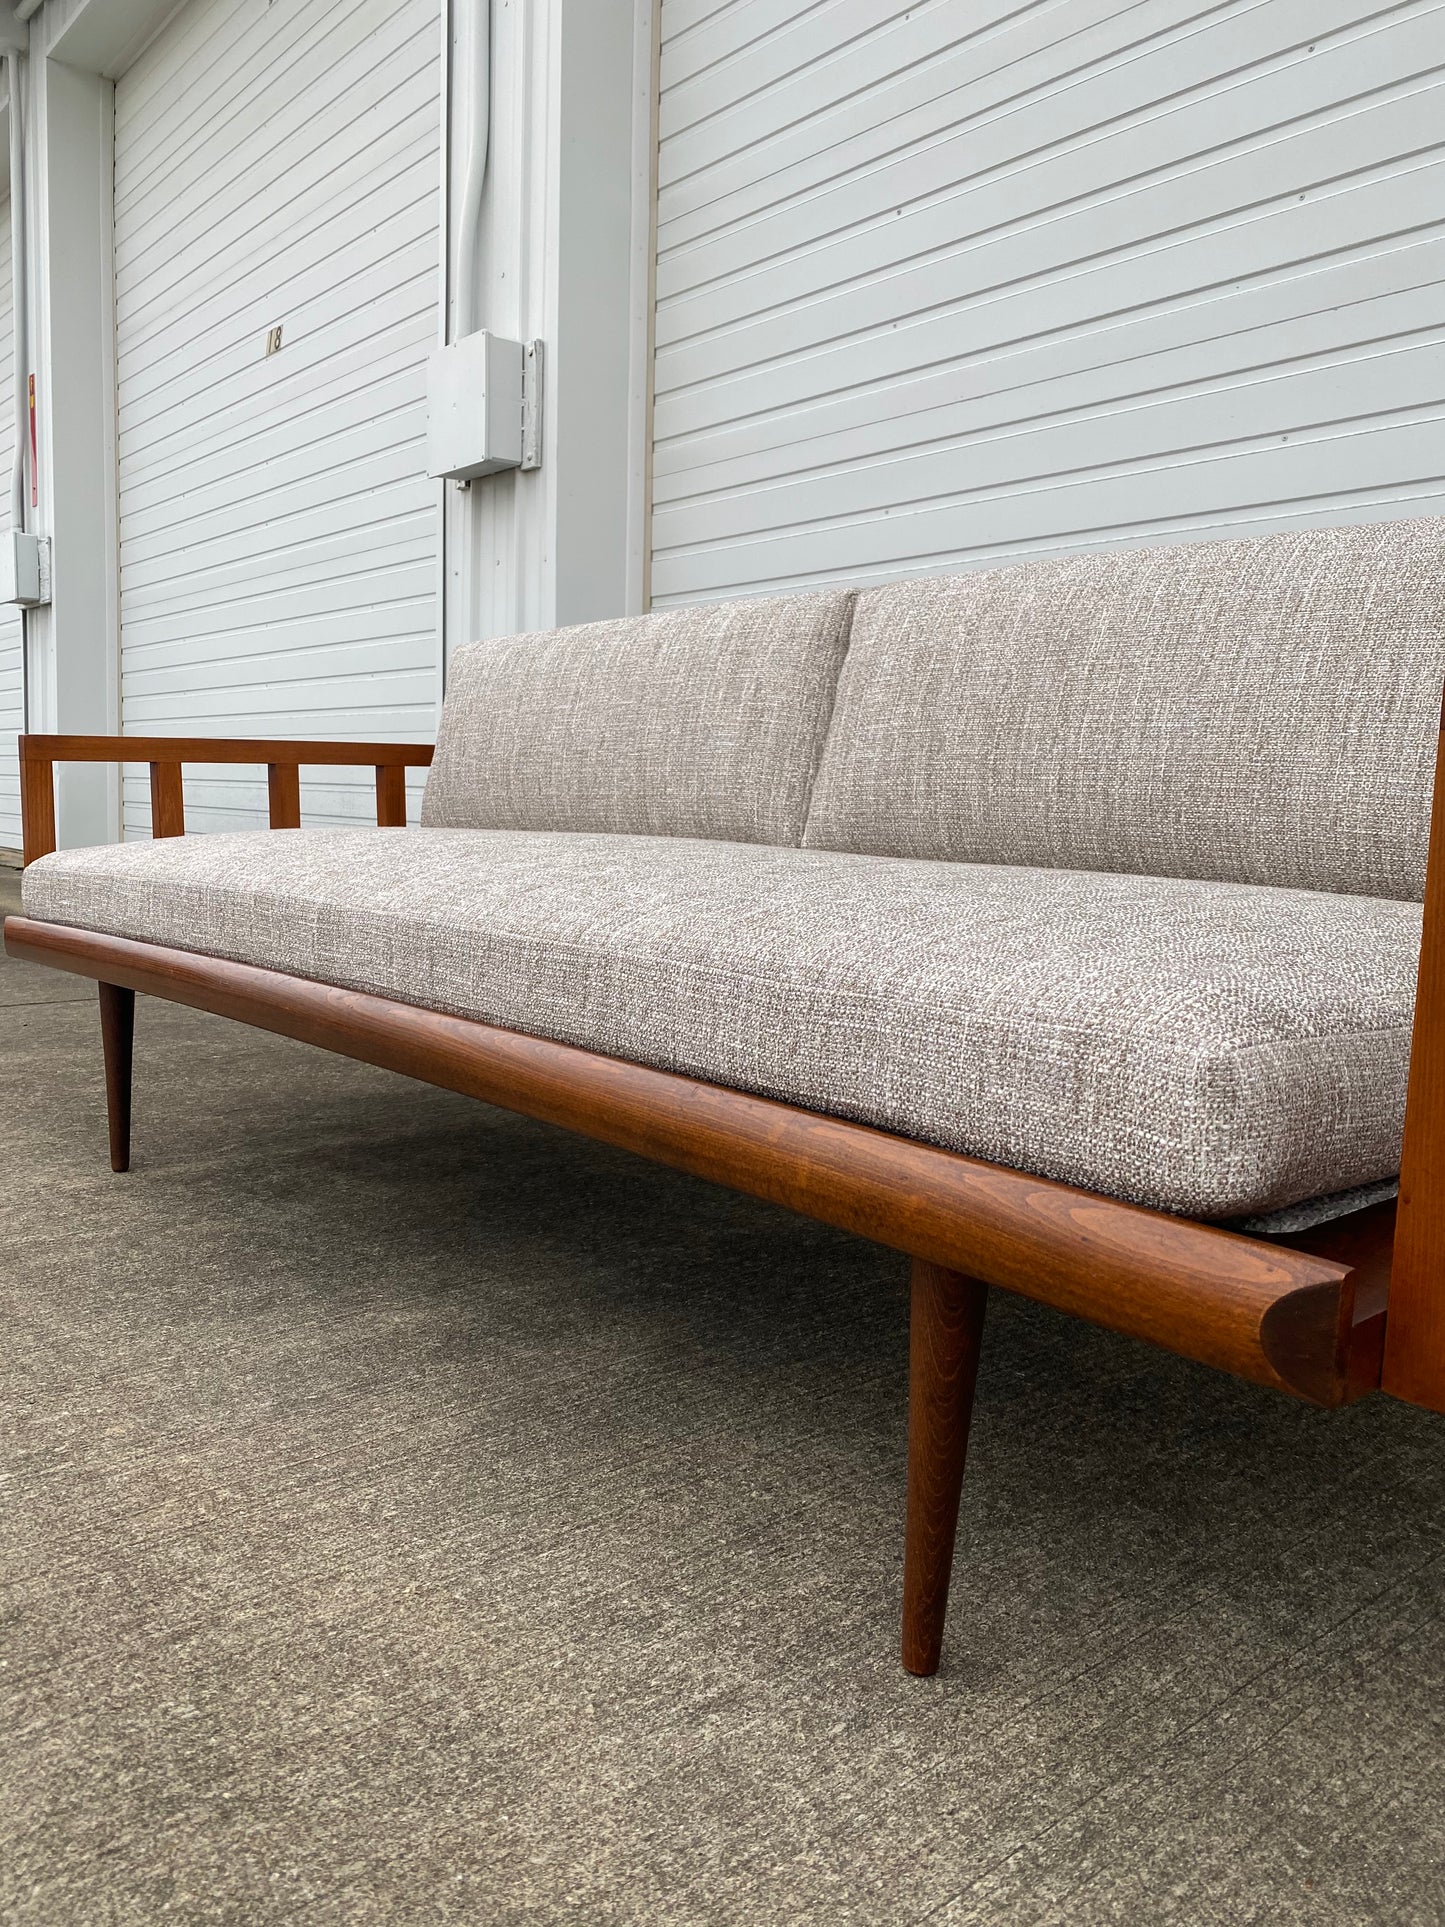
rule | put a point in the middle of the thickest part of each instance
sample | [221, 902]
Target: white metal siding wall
[278, 165]
[951, 281]
[11, 713]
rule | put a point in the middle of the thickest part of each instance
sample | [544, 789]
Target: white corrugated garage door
[944, 282]
[11, 711]
[277, 165]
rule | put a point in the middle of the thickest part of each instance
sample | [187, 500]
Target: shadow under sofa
[1057, 925]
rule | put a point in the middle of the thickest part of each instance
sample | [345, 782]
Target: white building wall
[939, 284]
[278, 165]
[11, 694]
[935, 284]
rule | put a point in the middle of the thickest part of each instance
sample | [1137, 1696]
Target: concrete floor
[414, 1514]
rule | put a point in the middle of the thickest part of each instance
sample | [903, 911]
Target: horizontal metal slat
[1284, 402]
[944, 81]
[1131, 123]
[1263, 244]
[1355, 294]
[955, 267]
[1204, 486]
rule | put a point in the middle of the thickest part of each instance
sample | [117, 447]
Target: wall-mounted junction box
[474, 407]
[24, 568]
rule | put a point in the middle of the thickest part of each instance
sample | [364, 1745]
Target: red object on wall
[34, 464]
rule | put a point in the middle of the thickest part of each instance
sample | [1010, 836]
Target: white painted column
[565, 234]
[74, 641]
[74, 646]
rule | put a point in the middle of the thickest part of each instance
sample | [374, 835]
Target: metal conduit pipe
[28, 7]
[479, 118]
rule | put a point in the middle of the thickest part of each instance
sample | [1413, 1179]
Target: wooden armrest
[166, 754]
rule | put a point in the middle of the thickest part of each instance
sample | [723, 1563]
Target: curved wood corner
[1296, 1330]
[1271, 1312]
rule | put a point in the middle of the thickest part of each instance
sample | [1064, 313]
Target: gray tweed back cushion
[1258, 712]
[705, 721]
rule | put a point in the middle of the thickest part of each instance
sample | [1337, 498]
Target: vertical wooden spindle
[283, 790]
[168, 808]
[391, 796]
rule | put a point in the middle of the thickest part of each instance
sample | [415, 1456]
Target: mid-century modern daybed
[1056, 925]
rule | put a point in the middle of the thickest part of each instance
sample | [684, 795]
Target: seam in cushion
[826, 732]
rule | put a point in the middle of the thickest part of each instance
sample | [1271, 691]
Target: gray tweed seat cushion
[1215, 1049]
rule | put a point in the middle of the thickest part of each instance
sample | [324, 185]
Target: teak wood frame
[1305, 1314]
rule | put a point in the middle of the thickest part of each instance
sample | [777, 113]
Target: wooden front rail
[1281, 1315]
[166, 755]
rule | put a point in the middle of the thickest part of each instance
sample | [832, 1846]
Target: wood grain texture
[37, 801]
[944, 1337]
[168, 808]
[1414, 1361]
[224, 749]
[1365, 1241]
[117, 1035]
[166, 754]
[283, 795]
[1238, 1303]
[391, 796]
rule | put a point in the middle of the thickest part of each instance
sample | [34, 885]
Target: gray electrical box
[474, 407]
[24, 568]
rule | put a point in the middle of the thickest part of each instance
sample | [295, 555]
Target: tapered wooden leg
[945, 1330]
[117, 1034]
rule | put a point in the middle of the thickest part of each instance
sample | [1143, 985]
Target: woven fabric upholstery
[693, 722]
[1209, 1048]
[1262, 711]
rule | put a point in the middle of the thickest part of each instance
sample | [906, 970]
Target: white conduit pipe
[479, 118]
[20, 357]
[28, 7]
[19, 339]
